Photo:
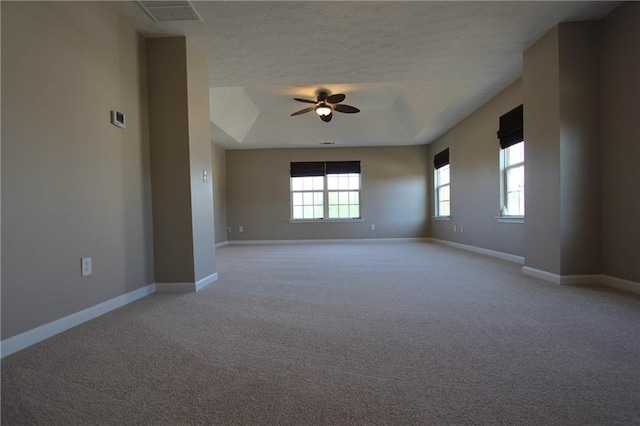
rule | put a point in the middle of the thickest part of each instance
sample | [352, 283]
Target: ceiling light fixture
[323, 110]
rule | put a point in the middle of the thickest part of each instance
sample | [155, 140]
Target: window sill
[509, 219]
[441, 217]
[325, 220]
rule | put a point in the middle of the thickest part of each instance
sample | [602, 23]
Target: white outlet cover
[86, 268]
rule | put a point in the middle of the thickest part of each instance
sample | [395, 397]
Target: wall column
[561, 129]
[183, 225]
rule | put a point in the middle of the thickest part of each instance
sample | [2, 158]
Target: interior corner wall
[200, 163]
[218, 161]
[73, 184]
[170, 160]
[393, 193]
[474, 153]
[620, 142]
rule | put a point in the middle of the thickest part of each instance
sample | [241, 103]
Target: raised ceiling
[414, 69]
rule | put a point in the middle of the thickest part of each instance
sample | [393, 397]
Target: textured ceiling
[414, 69]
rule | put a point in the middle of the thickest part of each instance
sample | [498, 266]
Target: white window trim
[325, 204]
[436, 187]
[503, 190]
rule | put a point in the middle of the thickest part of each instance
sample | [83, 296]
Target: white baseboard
[38, 334]
[619, 283]
[320, 241]
[561, 279]
[492, 253]
[200, 284]
[222, 244]
[186, 287]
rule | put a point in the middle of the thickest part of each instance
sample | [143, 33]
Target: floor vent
[164, 11]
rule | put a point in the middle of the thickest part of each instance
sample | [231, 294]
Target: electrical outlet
[240, 228]
[229, 229]
[86, 268]
[205, 176]
[461, 229]
[373, 227]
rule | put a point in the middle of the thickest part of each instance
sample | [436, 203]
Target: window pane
[444, 208]
[333, 211]
[515, 178]
[443, 193]
[444, 175]
[318, 212]
[307, 212]
[343, 211]
[307, 198]
[514, 154]
[354, 181]
[297, 213]
[317, 198]
[343, 198]
[354, 197]
[296, 183]
[332, 181]
[343, 182]
[333, 198]
[318, 183]
[297, 199]
[355, 211]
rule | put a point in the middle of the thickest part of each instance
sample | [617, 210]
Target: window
[322, 190]
[443, 193]
[442, 184]
[513, 180]
[511, 136]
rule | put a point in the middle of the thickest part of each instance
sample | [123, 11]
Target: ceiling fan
[325, 105]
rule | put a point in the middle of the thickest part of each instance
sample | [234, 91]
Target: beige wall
[620, 142]
[474, 152]
[180, 154]
[219, 160]
[200, 162]
[170, 160]
[393, 195]
[73, 185]
[541, 86]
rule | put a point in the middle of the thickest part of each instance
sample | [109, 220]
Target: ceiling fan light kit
[325, 104]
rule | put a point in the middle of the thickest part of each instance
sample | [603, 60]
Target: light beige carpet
[349, 333]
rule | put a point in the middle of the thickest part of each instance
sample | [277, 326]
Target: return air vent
[163, 11]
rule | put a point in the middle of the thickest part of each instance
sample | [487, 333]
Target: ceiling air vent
[163, 11]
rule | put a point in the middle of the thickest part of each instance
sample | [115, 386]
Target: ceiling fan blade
[304, 100]
[302, 111]
[346, 109]
[334, 99]
[326, 118]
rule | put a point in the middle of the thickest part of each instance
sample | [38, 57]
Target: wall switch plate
[461, 229]
[455, 229]
[229, 229]
[86, 268]
[241, 228]
[373, 227]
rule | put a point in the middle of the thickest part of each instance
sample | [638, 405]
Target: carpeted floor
[375, 333]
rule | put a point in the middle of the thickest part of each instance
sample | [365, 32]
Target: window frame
[437, 186]
[325, 200]
[504, 185]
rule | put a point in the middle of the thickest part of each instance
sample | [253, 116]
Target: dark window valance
[511, 128]
[317, 168]
[342, 167]
[441, 159]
